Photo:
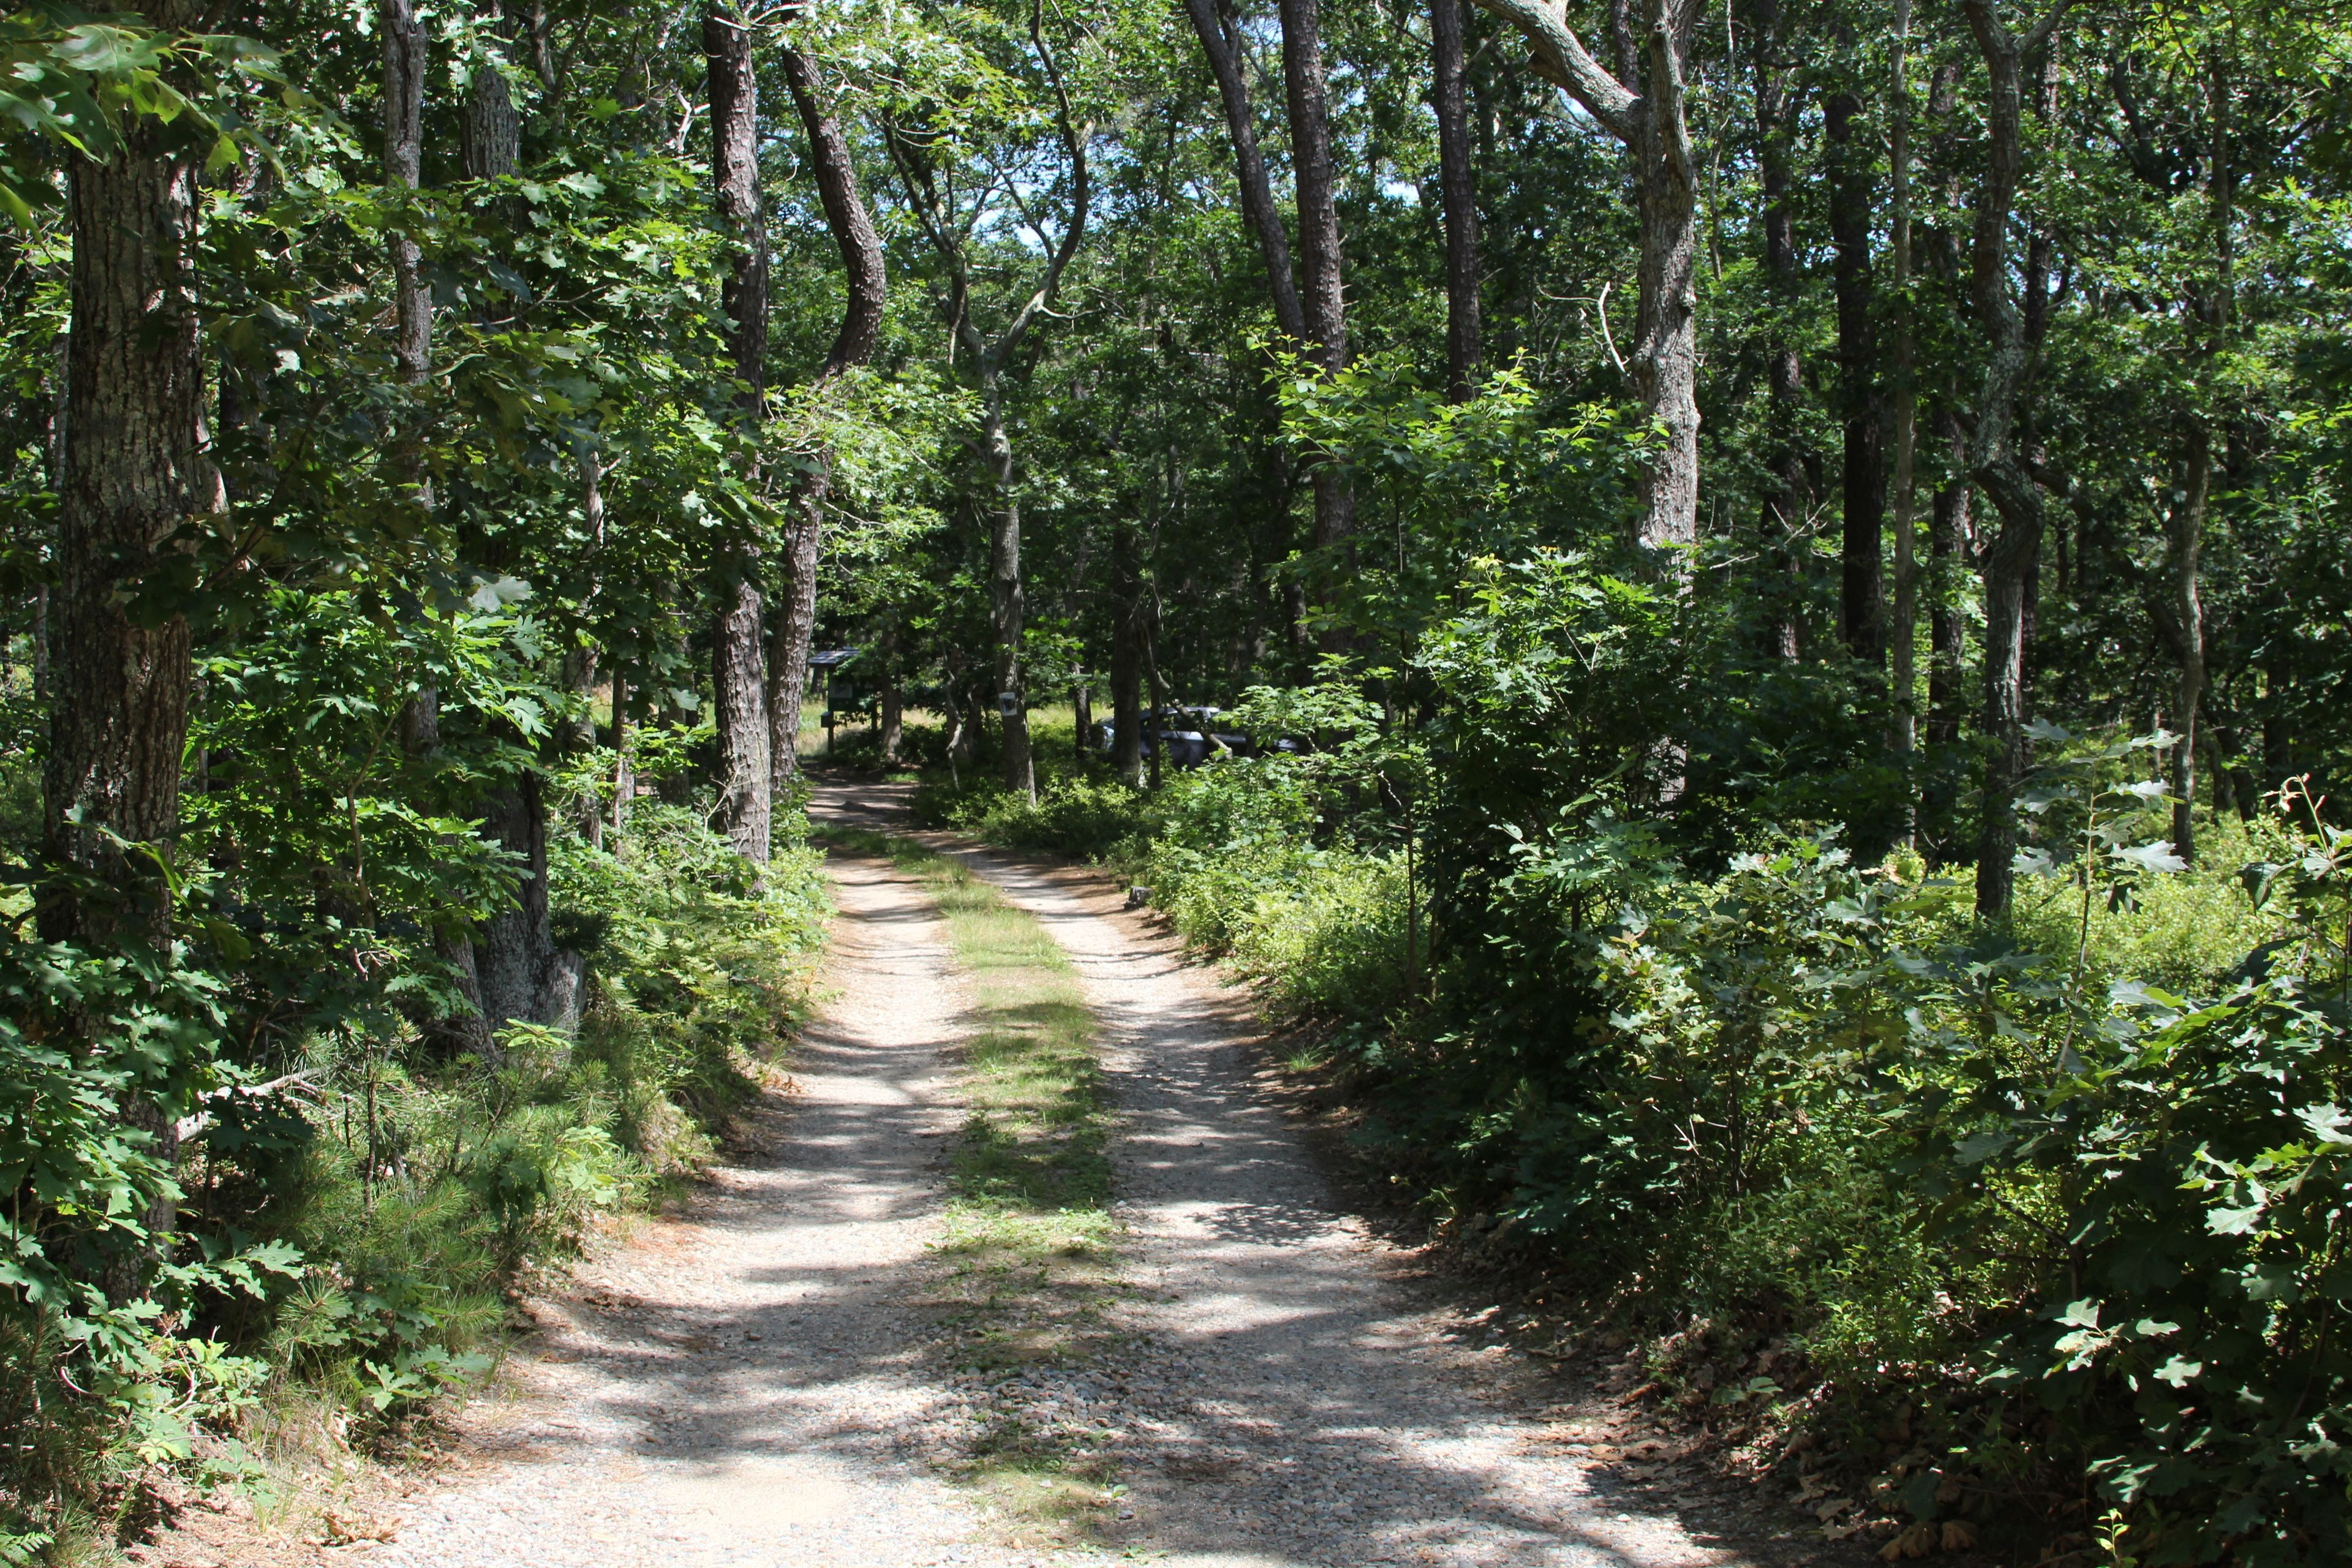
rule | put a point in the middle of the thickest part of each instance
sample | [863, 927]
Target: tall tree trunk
[1861, 615]
[407, 61]
[1666, 351]
[1996, 454]
[746, 742]
[1457, 182]
[2213, 314]
[1148, 630]
[1008, 609]
[580, 665]
[1779, 105]
[516, 952]
[625, 779]
[1322, 298]
[135, 468]
[515, 955]
[2185, 542]
[988, 359]
[1950, 543]
[1126, 657]
[1904, 732]
[1644, 107]
[1257, 197]
[861, 326]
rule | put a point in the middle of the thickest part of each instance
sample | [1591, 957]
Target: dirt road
[759, 1384]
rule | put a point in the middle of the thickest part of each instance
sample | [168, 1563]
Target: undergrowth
[2024, 1230]
[351, 1239]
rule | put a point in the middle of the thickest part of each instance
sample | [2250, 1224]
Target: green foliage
[2088, 1224]
[353, 1226]
[1076, 816]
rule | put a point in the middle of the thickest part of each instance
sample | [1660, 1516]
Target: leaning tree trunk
[134, 470]
[738, 670]
[1457, 182]
[1256, 191]
[793, 628]
[860, 244]
[1648, 115]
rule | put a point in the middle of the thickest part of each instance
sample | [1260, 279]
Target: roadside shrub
[1074, 817]
[2058, 1201]
[353, 1207]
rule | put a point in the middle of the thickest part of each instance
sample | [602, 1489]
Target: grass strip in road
[1029, 1238]
[1032, 1168]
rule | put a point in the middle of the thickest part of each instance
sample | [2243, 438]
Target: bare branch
[1074, 142]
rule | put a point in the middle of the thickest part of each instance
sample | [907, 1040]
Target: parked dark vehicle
[1191, 735]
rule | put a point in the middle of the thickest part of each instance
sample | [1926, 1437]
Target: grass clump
[1029, 1239]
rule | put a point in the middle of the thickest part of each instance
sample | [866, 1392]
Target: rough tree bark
[737, 669]
[135, 467]
[406, 57]
[516, 952]
[1996, 452]
[861, 325]
[489, 127]
[1648, 115]
[1322, 296]
[1457, 182]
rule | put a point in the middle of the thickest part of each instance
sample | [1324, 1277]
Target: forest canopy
[1739, 612]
